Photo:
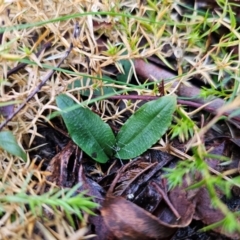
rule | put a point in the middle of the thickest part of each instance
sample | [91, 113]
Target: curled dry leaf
[95, 190]
[185, 208]
[61, 172]
[128, 221]
[208, 214]
[177, 211]
[92, 188]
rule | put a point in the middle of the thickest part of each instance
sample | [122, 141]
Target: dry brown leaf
[128, 221]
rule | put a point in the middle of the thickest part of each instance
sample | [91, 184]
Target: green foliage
[67, 199]
[87, 83]
[96, 138]
[189, 168]
[229, 223]
[9, 144]
[183, 126]
[175, 175]
[127, 72]
[87, 130]
[2, 104]
[98, 85]
[112, 50]
[145, 127]
[208, 92]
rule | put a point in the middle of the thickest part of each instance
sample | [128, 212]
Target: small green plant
[189, 168]
[139, 133]
[112, 50]
[55, 199]
[183, 126]
[175, 175]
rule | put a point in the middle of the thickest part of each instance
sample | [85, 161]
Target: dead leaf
[91, 187]
[208, 214]
[184, 207]
[129, 222]
[63, 167]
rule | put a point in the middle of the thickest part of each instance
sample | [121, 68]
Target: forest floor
[119, 120]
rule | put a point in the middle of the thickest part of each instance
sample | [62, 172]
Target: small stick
[137, 175]
[40, 85]
[209, 108]
[151, 71]
[115, 180]
[166, 199]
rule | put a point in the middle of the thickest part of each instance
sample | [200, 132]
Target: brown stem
[147, 70]
[166, 199]
[209, 108]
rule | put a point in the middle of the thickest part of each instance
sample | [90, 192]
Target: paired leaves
[140, 132]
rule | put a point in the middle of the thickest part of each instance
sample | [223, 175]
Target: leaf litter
[134, 198]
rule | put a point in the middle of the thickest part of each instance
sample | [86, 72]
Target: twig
[115, 180]
[137, 176]
[166, 199]
[209, 108]
[42, 83]
[151, 71]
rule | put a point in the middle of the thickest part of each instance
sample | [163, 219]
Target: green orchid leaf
[9, 143]
[145, 127]
[87, 130]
